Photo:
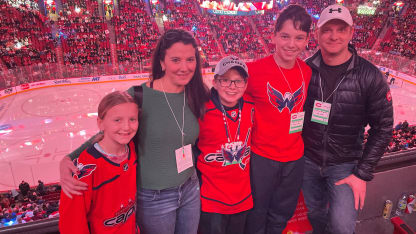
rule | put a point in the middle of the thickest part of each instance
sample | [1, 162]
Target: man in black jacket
[345, 94]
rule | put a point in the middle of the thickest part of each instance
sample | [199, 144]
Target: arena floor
[39, 127]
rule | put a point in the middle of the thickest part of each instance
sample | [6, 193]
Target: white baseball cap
[228, 62]
[335, 11]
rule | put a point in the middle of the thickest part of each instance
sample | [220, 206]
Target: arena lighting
[92, 114]
[399, 3]
[340, 1]
[18, 45]
[77, 9]
[108, 1]
[49, 2]
[3, 132]
[82, 133]
[164, 18]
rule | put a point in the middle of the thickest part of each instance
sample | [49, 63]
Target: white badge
[296, 122]
[184, 158]
[320, 113]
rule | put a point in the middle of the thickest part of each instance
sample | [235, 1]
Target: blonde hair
[113, 99]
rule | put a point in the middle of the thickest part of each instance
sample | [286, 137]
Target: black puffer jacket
[362, 98]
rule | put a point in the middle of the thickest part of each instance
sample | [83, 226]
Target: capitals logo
[231, 153]
[84, 170]
[288, 100]
[122, 215]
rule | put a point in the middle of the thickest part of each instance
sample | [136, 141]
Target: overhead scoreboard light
[398, 6]
[366, 10]
[399, 3]
[230, 7]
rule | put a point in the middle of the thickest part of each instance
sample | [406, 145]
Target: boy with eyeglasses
[224, 142]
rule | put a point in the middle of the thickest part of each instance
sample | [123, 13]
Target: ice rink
[39, 127]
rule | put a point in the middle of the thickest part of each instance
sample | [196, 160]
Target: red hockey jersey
[277, 97]
[224, 167]
[109, 204]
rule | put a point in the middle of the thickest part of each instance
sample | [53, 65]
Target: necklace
[112, 156]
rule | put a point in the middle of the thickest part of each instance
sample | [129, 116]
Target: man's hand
[358, 187]
[69, 184]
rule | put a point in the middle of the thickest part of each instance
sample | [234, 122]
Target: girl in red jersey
[108, 205]
[224, 142]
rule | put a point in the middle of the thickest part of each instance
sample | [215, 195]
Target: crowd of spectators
[31, 43]
[402, 40]
[90, 7]
[185, 15]
[367, 29]
[25, 37]
[85, 40]
[404, 137]
[265, 26]
[136, 34]
[236, 35]
[29, 204]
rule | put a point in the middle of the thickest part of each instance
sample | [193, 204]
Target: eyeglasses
[227, 83]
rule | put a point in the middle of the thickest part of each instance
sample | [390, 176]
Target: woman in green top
[168, 189]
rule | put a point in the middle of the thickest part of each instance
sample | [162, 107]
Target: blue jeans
[168, 211]
[330, 207]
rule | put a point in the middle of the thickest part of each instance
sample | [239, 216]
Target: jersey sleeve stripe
[106, 182]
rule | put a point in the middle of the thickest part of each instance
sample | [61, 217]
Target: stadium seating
[25, 37]
[84, 40]
[401, 39]
[136, 34]
[237, 36]
[88, 41]
[186, 15]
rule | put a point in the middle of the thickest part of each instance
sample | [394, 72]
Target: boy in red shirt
[278, 86]
[224, 142]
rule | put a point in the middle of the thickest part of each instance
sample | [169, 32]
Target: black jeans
[275, 187]
[213, 223]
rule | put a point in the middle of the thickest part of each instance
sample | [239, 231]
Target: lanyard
[183, 113]
[227, 130]
[303, 82]
[322, 92]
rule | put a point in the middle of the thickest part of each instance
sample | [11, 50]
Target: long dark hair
[196, 92]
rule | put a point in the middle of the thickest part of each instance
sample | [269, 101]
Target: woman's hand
[70, 185]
